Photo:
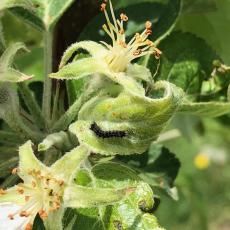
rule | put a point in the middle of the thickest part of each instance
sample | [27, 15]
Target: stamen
[157, 53]
[137, 52]
[149, 43]
[2, 191]
[148, 32]
[124, 17]
[113, 15]
[43, 214]
[20, 190]
[33, 184]
[122, 43]
[11, 216]
[27, 198]
[148, 25]
[120, 53]
[121, 31]
[24, 214]
[103, 7]
[61, 182]
[29, 226]
[14, 171]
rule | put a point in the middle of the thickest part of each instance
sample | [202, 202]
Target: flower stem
[15, 122]
[55, 103]
[47, 90]
[31, 104]
[9, 137]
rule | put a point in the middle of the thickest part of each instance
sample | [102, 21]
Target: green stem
[15, 122]
[31, 104]
[69, 116]
[9, 137]
[55, 104]
[47, 90]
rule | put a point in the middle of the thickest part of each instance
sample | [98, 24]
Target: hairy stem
[15, 122]
[31, 104]
[47, 90]
[9, 137]
[55, 104]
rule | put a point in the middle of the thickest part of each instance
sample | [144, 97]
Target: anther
[20, 190]
[24, 214]
[121, 31]
[61, 182]
[14, 171]
[43, 214]
[149, 43]
[28, 226]
[138, 38]
[11, 216]
[148, 25]
[124, 17]
[27, 198]
[2, 191]
[137, 52]
[33, 184]
[157, 53]
[47, 181]
[148, 32]
[103, 7]
[122, 43]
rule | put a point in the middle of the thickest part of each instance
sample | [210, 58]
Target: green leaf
[38, 224]
[77, 196]
[157, 167]
[186, 61]
[165, 164]
[128, 213]
[199, 6]
[7, 166]
[5, 4]
[130, 114]
[42, 13]
[89, 66]
[205, 109]
[2, 40]
[8, 74]
[31, 63]
[7, 57]
[168, 19]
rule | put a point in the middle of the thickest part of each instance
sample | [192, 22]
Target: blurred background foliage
[204, 144]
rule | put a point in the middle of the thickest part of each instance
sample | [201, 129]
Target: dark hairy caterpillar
[106, 134]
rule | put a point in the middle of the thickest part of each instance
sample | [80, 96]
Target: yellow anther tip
[124, 17]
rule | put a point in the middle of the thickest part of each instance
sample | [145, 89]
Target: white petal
[18, 223]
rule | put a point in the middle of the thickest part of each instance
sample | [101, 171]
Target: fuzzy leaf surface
[124, 215]
[140, 118]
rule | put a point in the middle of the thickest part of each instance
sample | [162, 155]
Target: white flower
[17, 223]
[48, 190]
[113, 61]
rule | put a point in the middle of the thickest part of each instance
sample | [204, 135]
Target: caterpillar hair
[106, 134]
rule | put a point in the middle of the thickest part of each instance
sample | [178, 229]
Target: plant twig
[55, 104]
[47, 90]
